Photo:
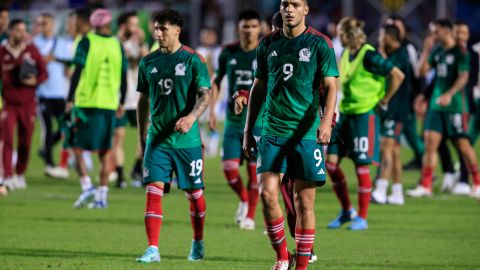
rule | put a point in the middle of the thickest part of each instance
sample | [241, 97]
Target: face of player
[343, 37]
[440, 34]
[249, 30]
[70, 26]
[166, 34]
[133, 25]
[18, 33]
[4, 20]
[461, 33]
[293, 12]
[401, 27]
[45, 25]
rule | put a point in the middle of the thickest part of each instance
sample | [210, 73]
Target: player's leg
[468, 153]
[8, 121]
[101, 194]
[379, 194]
[287, 190]
[88, 189]
[397, 188]
[414, 141]
[248, 223]
[119, 154]
[26, 127]
[305, 224]
[449, 174]
[45, 114]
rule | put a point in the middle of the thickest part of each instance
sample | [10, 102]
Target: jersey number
[360, 144]
[244, 77]
[442, 70]
[317, 154]
[166, 85]
[287, 71]
[197, 167]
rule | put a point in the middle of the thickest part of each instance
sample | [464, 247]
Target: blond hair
[353, 29]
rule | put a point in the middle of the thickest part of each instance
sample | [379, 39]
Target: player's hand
[120, 111]
[240, 102]
[212, 121]
[382, 108]
[68, 106]
[444, 100]
[249, 144]
[30, 81]
[49, 58]
[428, 43]
[324, 132]
[184, 124]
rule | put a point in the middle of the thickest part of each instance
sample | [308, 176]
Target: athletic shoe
[247, 224]
[461, 188]
[413, 165]
[136, 183]
[313, 258]
[343, 217]
[3, 190]
[121, 184]
[379, 195]
[396, 199]
[285, 265]
[197, 251]
[9, 183]
[358, 224]
[419, 191]
[475, 192]
[449, 180]
[84, 198]
[112, 177]
[241, 212]
[56, 172]
[151, 255]
[20, 182]
[97, 205]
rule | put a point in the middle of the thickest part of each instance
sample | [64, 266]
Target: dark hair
[123, 18]
[392, 31]
[47, 15]
[248, 14]
[460, 22]
[396, 17]
[277, 20]
[169, 16]
[14, 23]
[3, 8]
[83, 14]
[444, 23]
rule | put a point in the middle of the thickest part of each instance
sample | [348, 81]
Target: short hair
[277, 20]
[3, 9]
[47, 15]
[169, 16]
[83, 14]
[444, 23]
[392, 31]
[396, 17]
[460, 22]
[14, 23]
[248, 14]
[123, 18]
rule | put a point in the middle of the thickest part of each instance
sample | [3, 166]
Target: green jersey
[363, 82]
[399, 105]
[448, 64]
[171, 82]
[239, 66]
[294, 69]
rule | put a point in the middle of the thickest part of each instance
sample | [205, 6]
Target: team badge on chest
[304, 55]
[180, 69]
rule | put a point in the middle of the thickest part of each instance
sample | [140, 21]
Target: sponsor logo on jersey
[180, 69]
[321, 171]
[449, 59]
[304, 55]
[233, 62]
[154, 70]
[363, 156]
[274, 53]
[146, 172]
[198, 181]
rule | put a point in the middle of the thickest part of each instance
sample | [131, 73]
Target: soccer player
[291, 65]
[363, 71]
[394, 119]
[132, 38]
[100, 72]
[4, 18]
[448, 108]
[22, 70]
[237, 61]
[174, 88]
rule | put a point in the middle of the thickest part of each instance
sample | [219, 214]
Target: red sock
[276, 232]
[230, 169]
[475, 175]
[427, 177]
[153, 213]
[197, 212]
[339, 185]
[364, 189]
[64, 154]
[304, 239]
[252, 190]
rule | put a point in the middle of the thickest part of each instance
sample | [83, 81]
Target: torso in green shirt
[172, 81]
[448, 64]
[293, 69]
[399, 105]
[239, 67]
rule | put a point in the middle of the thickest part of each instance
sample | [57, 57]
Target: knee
[269, 197]
[304, 205]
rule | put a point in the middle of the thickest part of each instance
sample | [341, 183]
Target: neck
[15, 44]
[171, 49]
[247, 45]
[448, 43]
[293, 32]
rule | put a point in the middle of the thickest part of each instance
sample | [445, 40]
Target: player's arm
[425, 63]
[79, 61]
[396, 79]
[256, 99]
[460, 82]
[325, 130]
[123, 84]
[143, 110]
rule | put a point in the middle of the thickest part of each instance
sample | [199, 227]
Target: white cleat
[396, 199]
[247, 224]
[419, 191]
[20, 182]
[462, 189]
[56, 172]
[241, 212]
[9, 183]
[449, 180]
[475, 192]
[379, 195]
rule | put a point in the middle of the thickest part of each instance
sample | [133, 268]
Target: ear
[306, 10]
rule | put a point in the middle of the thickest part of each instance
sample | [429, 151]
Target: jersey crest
[180, 69]
[304, 55]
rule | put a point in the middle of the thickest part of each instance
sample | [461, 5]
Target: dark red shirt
[15, 92]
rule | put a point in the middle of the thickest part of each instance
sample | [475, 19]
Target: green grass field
[40, 230]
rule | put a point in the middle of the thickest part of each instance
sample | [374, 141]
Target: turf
[40, 230]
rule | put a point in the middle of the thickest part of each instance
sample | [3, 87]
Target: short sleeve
[142, 85]
[262, 71]
[376, 64]
[326, 60]
[464, 62]
[200, 72]
[222, 66]
[80, 57]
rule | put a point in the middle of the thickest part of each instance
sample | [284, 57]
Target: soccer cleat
[112, 177]
[84, 198]
[247, 224]
[313, 258]
[151, 255]
[56, 172]
[358, 224]
[343, 217]
[396, 199]
[285, 265]
[379, 195]
[449, 180]
[136, 183]
[419, 191]
[475, 192]
[20, 182]
[9, 183]
[97, 205]
[197, 251]
[3, 190]
[461, 189]
[241, 212]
